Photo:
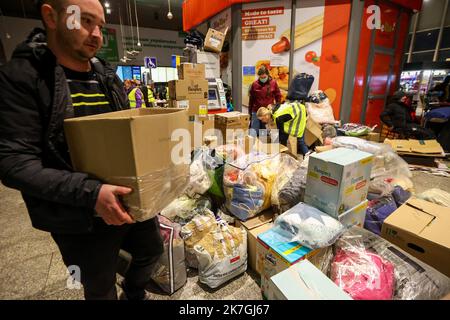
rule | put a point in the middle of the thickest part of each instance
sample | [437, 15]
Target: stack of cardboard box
[338, 182]
[191, 92]
[232, 125]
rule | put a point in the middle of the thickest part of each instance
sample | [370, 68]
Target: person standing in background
[134, 94]
[263, 92]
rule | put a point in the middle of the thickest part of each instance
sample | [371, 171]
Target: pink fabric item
[363, 275]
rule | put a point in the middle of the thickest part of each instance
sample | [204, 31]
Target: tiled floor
[31, 266]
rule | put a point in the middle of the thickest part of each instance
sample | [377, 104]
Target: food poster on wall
[265, 29]
[222, 23]
[320, 45]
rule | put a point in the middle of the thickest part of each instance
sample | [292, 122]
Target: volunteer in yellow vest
[134, 94]
[289, 118]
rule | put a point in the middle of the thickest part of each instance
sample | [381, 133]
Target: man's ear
[49, 16]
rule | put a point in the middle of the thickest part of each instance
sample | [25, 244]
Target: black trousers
[97, 254]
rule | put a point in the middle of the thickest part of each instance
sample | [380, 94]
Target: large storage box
[199, 128]
[191, 71]
[235, 122]
[132, 148]
[355, 216]
[209, 59]
[254, 227]
[188, 89]
[304, 281]
[313, 132]
[275, 253]
[421, 228]
[196, 107]
[338, 180]
[214, 40]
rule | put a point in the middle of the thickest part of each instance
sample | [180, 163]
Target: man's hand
[108, 205]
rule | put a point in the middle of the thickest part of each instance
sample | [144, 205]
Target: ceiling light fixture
[169, 14]
[137, 25]
[106, 4]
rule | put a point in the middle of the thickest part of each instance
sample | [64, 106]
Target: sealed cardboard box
[313, 132]
[303, 281]
[196, 107]
[254, 227]
[355, 216]
[191, 71]
[276, 253]
[209, 59]
[214, 40]
[423, 148]
[338, 180]
[132, 148]
[199, 129]
[421, 228]
[188, 89]
[232, 125]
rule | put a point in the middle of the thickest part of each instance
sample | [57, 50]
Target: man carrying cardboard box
[51, 77]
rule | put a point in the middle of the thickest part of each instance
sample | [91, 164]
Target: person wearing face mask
[263, 92]
[399, 116]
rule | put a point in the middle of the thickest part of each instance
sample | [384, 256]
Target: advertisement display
[265, 32]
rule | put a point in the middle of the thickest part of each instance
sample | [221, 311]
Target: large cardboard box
[253, 144]
[421, 228]
[355, 216]
[277, 253]
[188, 89]
[303, 281]
[132, 148]
[254, 227]
[196, 107]
[191, 71]
[209, 59]
[214, 40]
[423, 148]
[313, 132]
[199, 129]
[338, 180]
[232, 125]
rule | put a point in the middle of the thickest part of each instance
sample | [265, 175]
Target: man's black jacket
[34, 156]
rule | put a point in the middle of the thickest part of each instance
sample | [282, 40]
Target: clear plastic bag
[309, 226]
[248, 184]
[321, 112]
[170, 270]
[185, 208]
[414, 280]
[364, 275]
[199, 178]
[288, 165]
[437, 196]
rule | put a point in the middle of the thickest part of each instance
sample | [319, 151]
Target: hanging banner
[265, 41]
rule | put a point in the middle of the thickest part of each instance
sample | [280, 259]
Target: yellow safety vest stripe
[90, 103]
[87, 95]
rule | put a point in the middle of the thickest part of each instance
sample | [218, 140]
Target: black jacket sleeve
[22, 147]
[283, 136]
[386, 116]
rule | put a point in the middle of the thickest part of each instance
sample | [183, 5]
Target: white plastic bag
[309, 226]
[437, 196]
[320, 112]
[199, 180]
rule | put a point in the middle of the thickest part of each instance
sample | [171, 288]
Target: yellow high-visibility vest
[132, 98]
[296, 126]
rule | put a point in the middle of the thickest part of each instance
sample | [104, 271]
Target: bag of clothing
[437, 196]
[377, 211]
[248, 184]
[319, 108]
[363, 274]
[309, 226]
[221, 255]
[199, 180]
[170, 270]
[356, 130]
[414, 279]
[184, 208]
[194, 231]
[280, 189]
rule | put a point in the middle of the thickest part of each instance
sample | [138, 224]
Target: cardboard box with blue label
[355, 216]
[338, 180]
[303, 281]
[275, 253]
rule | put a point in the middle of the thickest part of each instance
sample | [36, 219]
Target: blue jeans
[259, 129]
[301, 146]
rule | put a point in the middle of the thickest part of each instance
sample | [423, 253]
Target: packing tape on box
[155, 190]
